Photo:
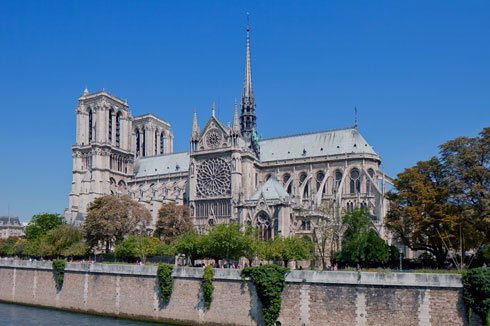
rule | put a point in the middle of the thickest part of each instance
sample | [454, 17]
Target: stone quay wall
[309, 298]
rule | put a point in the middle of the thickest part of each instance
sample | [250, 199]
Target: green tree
[355, 238]
[137, 246]
[7, 246]
[253, 246]
[40, 225]
[110, 219]
[173, 221]
[190, 244]
[225, 241]
[377, 251]
[467, 164]
[65, 240]
[421, 214]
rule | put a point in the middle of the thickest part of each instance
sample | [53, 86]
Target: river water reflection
[18, 315]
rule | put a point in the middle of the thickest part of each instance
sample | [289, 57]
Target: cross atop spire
[247, 116]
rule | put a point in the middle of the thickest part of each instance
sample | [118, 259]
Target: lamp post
[401, 254]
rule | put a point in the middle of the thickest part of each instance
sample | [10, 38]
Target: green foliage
[269, 281]
[377, 251]
[165, 281]
[136, 246]
[224, 241]
[59, 272]
[40, 225]
[476, 292]
[7, 247]
[110, 219]
[355, 239]
[207, 286]
[173, 221]
[288, 249]
[189, 244]
[64, 240]
[163, 249]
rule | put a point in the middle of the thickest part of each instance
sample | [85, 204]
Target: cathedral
[278, 185]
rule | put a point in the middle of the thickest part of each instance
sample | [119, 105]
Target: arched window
[364, 206]
[268, 177]
[355, 182]
[156, 142]
[90, 126]
[319, 179]
[264, 226]
[161, 143]
[144, 144]
[369, 186]
[111, 113]
[118, 129]
[285, 178]
[350, 207]
[110, 162]
[338, 179]
[138, 141]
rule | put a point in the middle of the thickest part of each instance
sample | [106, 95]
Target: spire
[212, 110]
[195, 127]
[85, 92]
[247, 84]
[236, 124]
[247, 116]
[355, 119]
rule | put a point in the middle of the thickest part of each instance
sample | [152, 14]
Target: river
[18, 315]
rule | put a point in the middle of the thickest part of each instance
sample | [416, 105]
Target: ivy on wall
[165, 281]
[59, 272]
[207, 286]
[269, 281]
[476, 293]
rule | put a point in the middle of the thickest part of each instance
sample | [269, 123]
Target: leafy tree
[467, 164]
[253, 246]
[7, 247]
[190, 244]
[421, 214]
[164, 249]
[225, 241]
[64, 240]
[355, 238]
[40, 225]
[327, 230]
[476, 292]
[110, 219]
[173, 221]
[377, 251]
[137, 246]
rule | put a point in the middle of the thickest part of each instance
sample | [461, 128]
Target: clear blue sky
[418, 72]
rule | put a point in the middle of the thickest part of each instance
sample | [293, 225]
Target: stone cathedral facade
[278, 185]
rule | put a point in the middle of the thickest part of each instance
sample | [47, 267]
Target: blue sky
[418, 72]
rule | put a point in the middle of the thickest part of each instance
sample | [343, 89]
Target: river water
[18, 315]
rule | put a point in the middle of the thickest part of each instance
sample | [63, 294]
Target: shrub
[207, 286]
[165, 281]
[269, 280]
[59, 272]
[476, 292]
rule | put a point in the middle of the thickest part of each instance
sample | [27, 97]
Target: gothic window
[355, 182]
[138, 143]
[268, 177]
[285, 178]
[319, 179]
[144, 143]
[214, 178]
[161, 143]
[156, 142]
[369, 186]
[111, 113]
[302, 178]
[213, 138]
[364, 206]
[350, 207]
[338, 179]
[110, 162]
[264, 226]
[118, 129]
[90, 126]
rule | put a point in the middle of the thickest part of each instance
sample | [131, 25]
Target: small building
[10, 226]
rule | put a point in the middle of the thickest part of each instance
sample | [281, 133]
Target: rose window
[213, 138]
[214, 178]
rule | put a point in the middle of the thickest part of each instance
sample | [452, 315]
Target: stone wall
[309, 298]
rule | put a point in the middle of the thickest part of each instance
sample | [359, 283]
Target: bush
[269, 281]
[165, 281]
[59, 272]
[207, 286]
[476, 292]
